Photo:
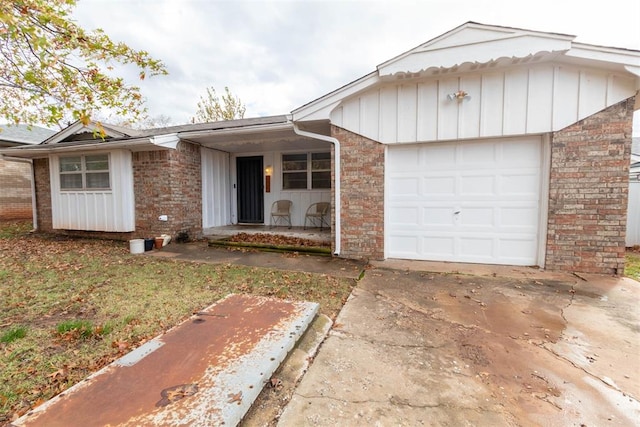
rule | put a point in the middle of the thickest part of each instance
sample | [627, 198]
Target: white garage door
[473, 201]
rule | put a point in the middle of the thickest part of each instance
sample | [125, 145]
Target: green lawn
[632, 267]
[68, 307]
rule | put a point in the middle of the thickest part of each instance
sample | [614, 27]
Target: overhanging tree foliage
[52, 70]
[211, 108]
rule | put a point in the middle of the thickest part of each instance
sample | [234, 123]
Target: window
[306, 171]
[85, 172]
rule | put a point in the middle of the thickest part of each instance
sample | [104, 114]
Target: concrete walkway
[487, 346]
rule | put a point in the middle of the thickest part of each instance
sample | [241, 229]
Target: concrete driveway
[516, 347]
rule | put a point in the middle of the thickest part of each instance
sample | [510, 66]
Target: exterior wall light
[267, 179]
[459, 95]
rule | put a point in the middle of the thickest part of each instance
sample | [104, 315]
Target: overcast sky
[279, 55]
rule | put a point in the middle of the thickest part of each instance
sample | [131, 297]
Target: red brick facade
[588, 192]
[362, 195]
[15, 190]
[166, 182]
[43, 194]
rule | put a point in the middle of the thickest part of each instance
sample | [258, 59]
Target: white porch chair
[317, 214]
[280, 212]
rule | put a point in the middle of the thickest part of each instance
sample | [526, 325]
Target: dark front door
[250, 192]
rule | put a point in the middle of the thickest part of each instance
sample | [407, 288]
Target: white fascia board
[320, 109]
[36, 151]
[170, 140]
[625, 57]
[481, 52]
[236, 131]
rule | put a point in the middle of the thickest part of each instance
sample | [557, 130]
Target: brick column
[588, 192]
[43, 194]
[168, 182]
[362, 195]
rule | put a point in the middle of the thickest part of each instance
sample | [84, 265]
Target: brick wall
[43, 194]
[15, 190]
[588, 193]
[362, 195]
[168, 182]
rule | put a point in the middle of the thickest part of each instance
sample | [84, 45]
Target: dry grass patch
[68, 307]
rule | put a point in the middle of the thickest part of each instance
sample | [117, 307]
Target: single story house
[16, 183]
[486, 144]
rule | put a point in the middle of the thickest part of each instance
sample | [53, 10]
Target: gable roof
[474, 46]
[80, 131]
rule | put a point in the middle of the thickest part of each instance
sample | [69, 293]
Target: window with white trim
[90, 172]
[306, 171]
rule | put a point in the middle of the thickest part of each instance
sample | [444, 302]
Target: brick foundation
[362, 195]
[588, 193]
[15, 190]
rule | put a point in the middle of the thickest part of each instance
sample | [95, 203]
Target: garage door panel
[435, 157]
[474, 201]
[477, 185]
[522, 217]
[520, 184]
[479, 154]
[439, 185]
[511, 247]
[476, 249]
[404, 186]
[478, 217]
[405, 216]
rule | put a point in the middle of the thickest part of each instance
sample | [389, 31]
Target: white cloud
[279, 55]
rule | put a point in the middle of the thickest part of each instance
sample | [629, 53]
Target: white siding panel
[427, 113]
[540, 99]
[515, 102]
[351, 115]
[407, 113]
[369, 116]
[491, 104]
[633, 214]
[593, 93]
[566, 97]
[336, 117]
[448, 109]
[216, 206]
[469, 114]
[389, 114]
[109, 210]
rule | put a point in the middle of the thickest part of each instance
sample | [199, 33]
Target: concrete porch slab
[206, 371]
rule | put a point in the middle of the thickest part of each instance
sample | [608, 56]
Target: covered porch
[313, 234]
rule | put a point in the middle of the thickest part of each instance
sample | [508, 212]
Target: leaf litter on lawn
[46, 280]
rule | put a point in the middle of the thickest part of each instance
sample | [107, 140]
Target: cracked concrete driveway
[413, 348]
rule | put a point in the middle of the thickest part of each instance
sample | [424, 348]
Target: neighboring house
[16, 177]
[487, 144]
[633, 212]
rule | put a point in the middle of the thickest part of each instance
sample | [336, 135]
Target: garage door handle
[456, 212]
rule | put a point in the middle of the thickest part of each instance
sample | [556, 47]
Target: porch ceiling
[282, 138]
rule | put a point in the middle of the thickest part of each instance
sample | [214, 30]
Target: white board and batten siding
[216, 188]
[544, 97]
[633, 214]
[467, 201]
[110, 210]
